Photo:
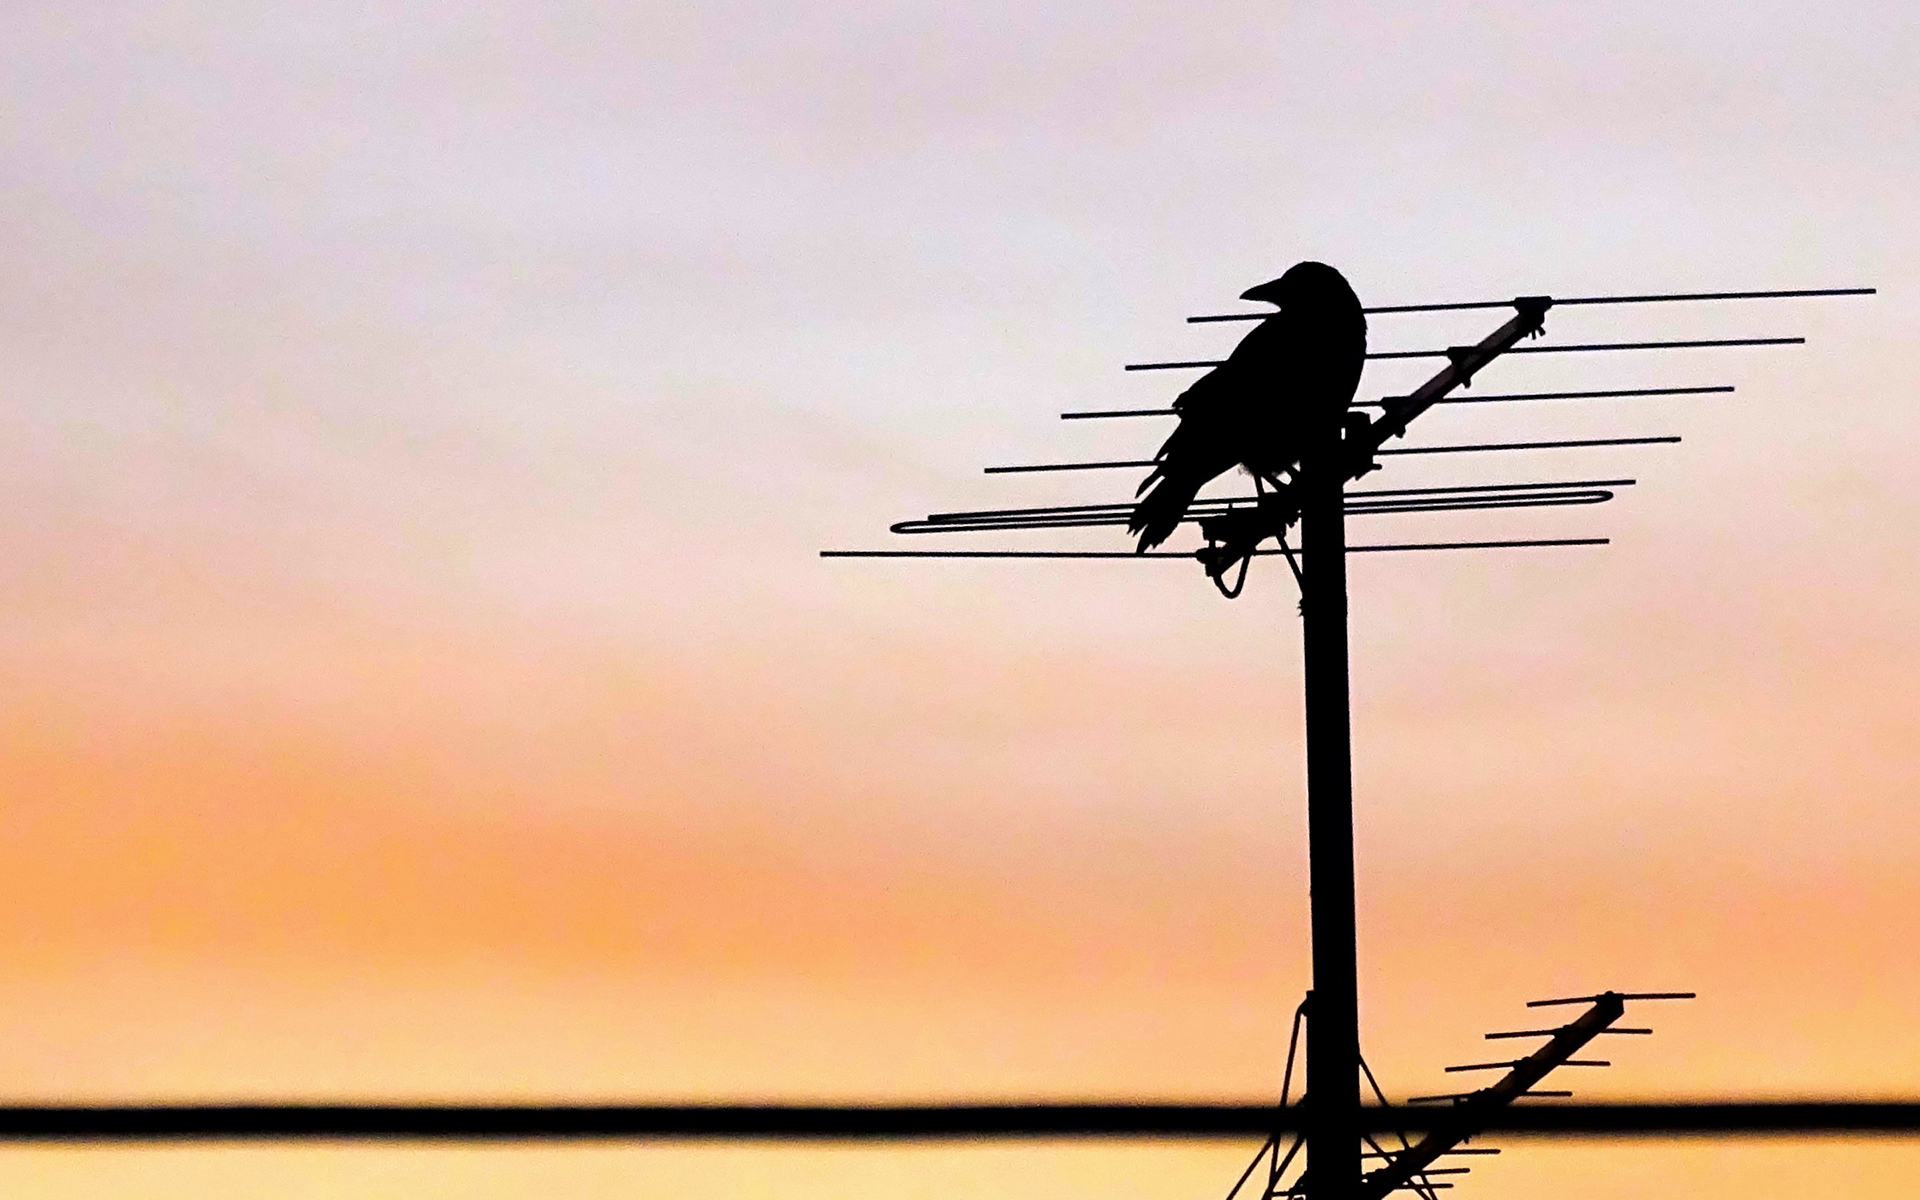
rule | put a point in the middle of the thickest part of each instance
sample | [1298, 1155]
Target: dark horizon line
[937, 1122]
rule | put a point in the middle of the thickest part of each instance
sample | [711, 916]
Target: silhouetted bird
[1249, 411]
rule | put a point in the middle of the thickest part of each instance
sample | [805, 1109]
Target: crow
[1249, 411]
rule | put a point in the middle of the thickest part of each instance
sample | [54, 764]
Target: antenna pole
[1333, 1022]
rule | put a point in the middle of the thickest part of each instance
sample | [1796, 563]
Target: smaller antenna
[1525, 1033]
[1510, 1063]
[1615, 995]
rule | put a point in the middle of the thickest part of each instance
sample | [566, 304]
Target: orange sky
[419, 682]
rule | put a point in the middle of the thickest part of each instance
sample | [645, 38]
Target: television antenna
[1334, 450]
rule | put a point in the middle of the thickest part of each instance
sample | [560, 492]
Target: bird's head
[1312, 284]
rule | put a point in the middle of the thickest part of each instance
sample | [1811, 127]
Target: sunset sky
[421, 422]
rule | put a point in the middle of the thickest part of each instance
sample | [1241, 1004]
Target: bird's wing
[1210, 394]
[1202, 443]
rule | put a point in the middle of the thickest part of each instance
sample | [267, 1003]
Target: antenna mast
[1333, 1017]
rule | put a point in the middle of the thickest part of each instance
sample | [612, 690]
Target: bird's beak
[1266, 293]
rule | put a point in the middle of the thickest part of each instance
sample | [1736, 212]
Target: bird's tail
[1158, 512]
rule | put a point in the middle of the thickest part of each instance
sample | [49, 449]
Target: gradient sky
[420, 422]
